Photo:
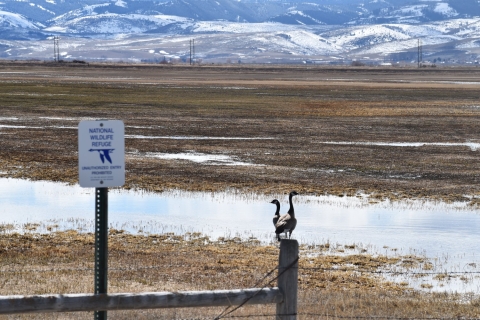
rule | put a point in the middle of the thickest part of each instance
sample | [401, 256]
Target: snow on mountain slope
[445, 9]
[289, 29]
[78, 13]
[283, 39]
[121, 3]
[469, 30]
[302, 42]
[356, 37]
[409, 11]
[115, 23]
[42, 8]
[234, 27]
[13, 20]
[399, 46]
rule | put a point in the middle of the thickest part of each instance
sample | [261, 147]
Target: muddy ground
[276, 123]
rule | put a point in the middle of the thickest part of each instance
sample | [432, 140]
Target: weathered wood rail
[130, 301]
[284, 296]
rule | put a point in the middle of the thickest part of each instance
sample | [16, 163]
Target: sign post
[101, 164]
[101, 246]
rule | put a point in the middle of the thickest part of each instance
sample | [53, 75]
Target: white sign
[101, 153]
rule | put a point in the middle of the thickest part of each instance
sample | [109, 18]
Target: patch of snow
[469, 45]
[18, 127]
[120, 3]
[56, 29]
[235, 27]
[15, 20]
[472, 145]
[46, 10]
[414, 10]
[192, 137]
[303, 14]
[211, 159]
[85, 11]
[445, 9]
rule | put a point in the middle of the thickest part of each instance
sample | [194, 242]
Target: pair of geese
[286, 222]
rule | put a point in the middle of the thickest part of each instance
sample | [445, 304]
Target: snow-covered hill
[243, 30]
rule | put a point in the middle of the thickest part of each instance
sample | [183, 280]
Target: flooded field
[446, 234]
[385, 160]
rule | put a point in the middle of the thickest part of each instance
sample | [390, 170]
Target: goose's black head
[275, 201]
[293, 193]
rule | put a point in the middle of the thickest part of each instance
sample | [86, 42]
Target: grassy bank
[348, 283]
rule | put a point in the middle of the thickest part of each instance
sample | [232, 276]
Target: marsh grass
[280, 103]
[277, 103]
[329, 284]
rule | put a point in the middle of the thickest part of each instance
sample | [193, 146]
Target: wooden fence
[284, 295]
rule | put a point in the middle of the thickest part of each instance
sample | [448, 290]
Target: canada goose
[287, 222]
[277, 213]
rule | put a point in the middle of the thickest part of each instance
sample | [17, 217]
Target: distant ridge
[313, 31]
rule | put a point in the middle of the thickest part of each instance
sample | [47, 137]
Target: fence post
[288, 279]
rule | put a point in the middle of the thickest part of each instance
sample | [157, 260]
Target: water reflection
[440, 231]
[433, 227]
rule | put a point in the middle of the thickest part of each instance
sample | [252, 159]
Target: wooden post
[288, 279]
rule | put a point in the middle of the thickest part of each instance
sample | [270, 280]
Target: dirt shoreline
[335, 131]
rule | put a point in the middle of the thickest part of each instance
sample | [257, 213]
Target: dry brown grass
[294, 109]
[62, 262]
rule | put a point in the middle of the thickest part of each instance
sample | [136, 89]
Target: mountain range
[267, 31]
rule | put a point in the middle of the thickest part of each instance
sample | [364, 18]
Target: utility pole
[190, 60]
[192, 51]
[419, 54]
[56, 49]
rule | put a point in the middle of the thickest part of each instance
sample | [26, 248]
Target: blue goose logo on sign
[101, 153]
[104, 154]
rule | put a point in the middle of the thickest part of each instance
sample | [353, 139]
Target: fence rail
[131, 301]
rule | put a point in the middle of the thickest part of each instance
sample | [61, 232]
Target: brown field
[291, 111]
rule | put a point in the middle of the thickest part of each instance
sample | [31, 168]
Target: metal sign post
[101, 245]
[101, 164]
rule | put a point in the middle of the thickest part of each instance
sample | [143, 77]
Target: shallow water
[447, 233]
[433, 228]
[474, 146]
